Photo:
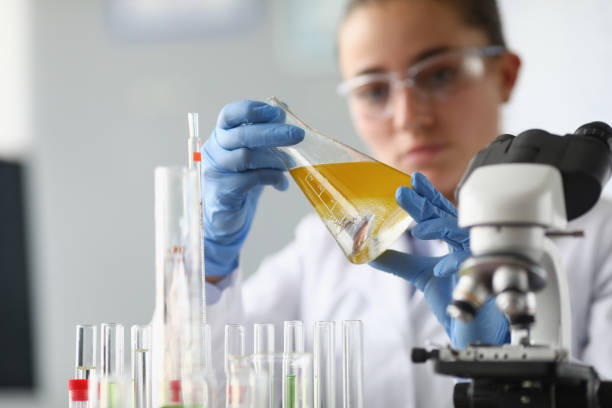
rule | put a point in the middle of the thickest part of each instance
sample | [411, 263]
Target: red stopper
[197, 156]
[79, 390]
[175, 387]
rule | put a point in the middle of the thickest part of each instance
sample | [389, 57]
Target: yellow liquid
[356, 201]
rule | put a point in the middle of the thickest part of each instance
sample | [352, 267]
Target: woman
[425, 80]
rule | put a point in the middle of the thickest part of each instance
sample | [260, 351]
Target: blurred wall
[566, 79]
[105, 112]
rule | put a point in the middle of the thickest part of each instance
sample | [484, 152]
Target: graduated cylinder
[178, 349]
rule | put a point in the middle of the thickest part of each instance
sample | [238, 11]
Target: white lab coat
[310, 279]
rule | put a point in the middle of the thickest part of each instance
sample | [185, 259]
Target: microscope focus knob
[421, 355]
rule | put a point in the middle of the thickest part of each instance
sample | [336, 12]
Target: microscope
[516, 195]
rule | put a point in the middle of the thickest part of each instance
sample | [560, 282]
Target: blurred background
[94, 95]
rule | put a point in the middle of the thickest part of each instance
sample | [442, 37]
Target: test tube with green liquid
[293, 342]
[112, 387]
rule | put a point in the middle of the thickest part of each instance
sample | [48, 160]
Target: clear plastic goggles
[372, 96]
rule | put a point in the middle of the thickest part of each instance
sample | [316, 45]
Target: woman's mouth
[420, 155]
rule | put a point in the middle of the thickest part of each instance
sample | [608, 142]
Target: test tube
[325, 364]
[234, 347]
[85, 361]
[293, 342]
[78, 393]
[141, 366]
[263, 338]
[85, 367]
[234, 342]
[263, 344]
[293, 336]
[111, 358]
[112, 387]
[352, 363]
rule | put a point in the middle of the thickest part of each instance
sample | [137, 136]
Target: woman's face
[435, 137]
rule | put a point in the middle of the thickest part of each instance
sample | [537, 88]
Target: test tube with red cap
[78, 393]
[85, 366]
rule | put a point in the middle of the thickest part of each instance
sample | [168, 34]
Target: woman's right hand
[238, 163]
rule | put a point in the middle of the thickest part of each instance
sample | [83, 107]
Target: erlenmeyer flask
[353, 193]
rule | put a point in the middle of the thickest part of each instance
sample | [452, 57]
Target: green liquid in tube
[290, 392]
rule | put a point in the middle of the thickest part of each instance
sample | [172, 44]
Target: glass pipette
[195, 161]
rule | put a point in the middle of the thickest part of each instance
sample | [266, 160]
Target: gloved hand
[436, 277]
[237, 165]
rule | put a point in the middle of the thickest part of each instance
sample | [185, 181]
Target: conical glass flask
[353, 193]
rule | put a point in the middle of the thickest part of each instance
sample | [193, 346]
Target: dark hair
[480, 14]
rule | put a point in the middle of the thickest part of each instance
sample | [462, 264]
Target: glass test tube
[293, 342]
[85, 361]
[293, 336]
[234, 342]
[234, 347]
[111, 355]
[256, 373]
[263, 338]
[78, 393]
[324, 364]
[141, 366]
[263, 344]
[352, 363]
[112, 387]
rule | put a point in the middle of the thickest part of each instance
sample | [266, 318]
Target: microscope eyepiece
[599, 130]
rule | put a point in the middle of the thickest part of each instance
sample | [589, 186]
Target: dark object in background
[16, 359]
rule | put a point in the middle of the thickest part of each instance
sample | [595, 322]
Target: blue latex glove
[237, 165]
[436, 277]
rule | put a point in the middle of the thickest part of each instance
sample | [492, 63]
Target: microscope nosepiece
[461, 310]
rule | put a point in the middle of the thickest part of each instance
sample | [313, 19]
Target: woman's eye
[437, 78]
[373, 93]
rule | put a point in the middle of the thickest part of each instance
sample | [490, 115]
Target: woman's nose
[410, 110]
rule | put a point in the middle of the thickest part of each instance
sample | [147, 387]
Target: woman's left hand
[436, 277]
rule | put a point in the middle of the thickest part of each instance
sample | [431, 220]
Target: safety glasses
[372, 96]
